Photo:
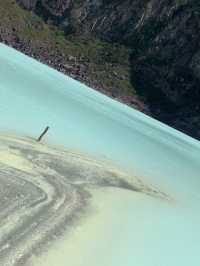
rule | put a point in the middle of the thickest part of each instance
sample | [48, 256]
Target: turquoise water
[33, 96]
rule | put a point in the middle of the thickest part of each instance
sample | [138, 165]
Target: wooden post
[43, 133]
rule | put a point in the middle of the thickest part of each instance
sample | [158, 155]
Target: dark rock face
[53, 11]
[28, 4]
[166, 60]
[164, 37]
[56, 8]
[166, 63]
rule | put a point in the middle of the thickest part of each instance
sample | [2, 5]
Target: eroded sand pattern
[43, 190]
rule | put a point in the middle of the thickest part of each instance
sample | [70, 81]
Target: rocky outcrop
[56, 8]
[28, 4]
[164, 38]
[165, 63]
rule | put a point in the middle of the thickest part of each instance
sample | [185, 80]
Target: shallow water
[128, 229]
[140, 229]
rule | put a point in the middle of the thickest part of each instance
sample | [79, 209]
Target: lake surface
[158, 225]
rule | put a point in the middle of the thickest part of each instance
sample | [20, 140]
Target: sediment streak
[43, 191]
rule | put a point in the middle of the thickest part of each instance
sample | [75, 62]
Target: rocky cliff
[164, 39]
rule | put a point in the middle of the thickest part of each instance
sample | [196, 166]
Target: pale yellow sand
[90, 242]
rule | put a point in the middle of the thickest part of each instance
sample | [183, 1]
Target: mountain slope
[97, 63]
[164, 39]
[159, 37]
